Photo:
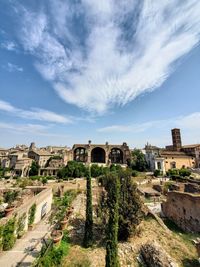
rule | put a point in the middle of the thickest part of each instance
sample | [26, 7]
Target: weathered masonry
[184, 210]
[104, 154]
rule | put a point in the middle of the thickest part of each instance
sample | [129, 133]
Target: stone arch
[116, 155]
[80, 154]
[98, 155]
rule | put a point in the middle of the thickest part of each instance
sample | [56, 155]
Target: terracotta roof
[42, 153]
[191, 146]
[173, 153]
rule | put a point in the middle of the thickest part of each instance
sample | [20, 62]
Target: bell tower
[176, 139]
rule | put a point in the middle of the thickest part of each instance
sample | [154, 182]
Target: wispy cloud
[9, 45]
[98, 54]
[12, 67]
[34, 114]
[33, 129]
[191, 121]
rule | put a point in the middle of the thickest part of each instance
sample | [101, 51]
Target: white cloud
[5, 106]
[13, 67]
[34, 114]
[192, 121]
[9, 45]
[188, 122]
[34, 128]
[109, 69]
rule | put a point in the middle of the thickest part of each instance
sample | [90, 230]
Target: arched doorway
[80, 154]
[116, 156]
[98, 155]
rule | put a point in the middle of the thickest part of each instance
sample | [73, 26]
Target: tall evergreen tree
[88, 236]
[130, 207]
[112, 227]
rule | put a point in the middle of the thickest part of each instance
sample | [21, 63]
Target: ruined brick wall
[184, 210]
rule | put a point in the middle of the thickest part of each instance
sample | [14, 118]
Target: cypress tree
[112, 227]
[88, 236]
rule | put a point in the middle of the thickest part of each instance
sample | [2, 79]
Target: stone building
[173, 156]
[3, 155]
[54, 164]
[22, 167]
[38, 155]
[194, 151]
[184, 210]
[103, 153]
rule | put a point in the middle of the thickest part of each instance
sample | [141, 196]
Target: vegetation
[138, 161]
[34, 169]
[73, 169]
[31, 214]
[183, 172]
[88, 236]
[20, 225]
[3, 171]
[8, 236]
[130, 207]
[10, 196]
[157, 173]
[60, 204]
[112, 227]
[52, 256]
[1, 237]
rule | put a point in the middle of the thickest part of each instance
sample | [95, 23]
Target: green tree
[130, 206]
[184, 172]
[112, 188]
[73, 169]
[138, 161]
[34, 169]
[88, 236]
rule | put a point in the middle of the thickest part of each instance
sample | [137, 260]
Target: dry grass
[177, 245]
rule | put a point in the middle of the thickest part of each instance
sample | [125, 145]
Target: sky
[108, 71]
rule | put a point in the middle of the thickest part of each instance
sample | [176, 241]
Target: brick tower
[176, 139]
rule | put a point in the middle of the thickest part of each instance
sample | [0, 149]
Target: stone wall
[184, 210]
[42, 198]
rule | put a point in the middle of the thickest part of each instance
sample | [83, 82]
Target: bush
[34, 169]
[8, 236]
[20, 225]
[73, 169]
[157, 173]
[54, 256]
[31, 214]
[10, 197]
[184, 172]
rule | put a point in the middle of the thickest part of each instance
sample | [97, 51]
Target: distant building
[103, 153]
[41, 157]
[173, 156]
[22, 167]
[194, 151]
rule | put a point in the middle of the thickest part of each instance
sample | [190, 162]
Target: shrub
[31, 214]
[34, 169]
[184, 172]
[20, 225]
[54, 256]
[10, 197]
[9, 238]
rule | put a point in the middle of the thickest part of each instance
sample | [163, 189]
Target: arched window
[116, 156]
[80, 154]
[98, 155]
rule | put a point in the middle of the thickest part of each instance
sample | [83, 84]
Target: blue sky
[106, 70]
